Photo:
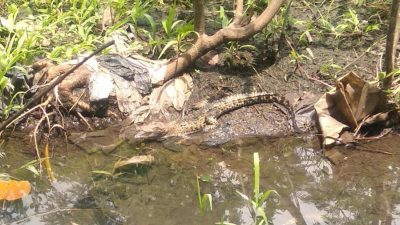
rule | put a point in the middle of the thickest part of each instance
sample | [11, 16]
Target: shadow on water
[363, 189]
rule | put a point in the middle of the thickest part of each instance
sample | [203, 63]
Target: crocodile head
[146, 132]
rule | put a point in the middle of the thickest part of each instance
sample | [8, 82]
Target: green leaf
[209, 197]
[167, 46]
[243, 195]
[204, 200]
[224, 19]
[151, 21]
[3, 82]
[266, 194]
[372, 27]
[199, 194]
[256, 176]
[335, 66]
[102, 172]
[33, 170]
[206, 178]
[185, 29]
[250, 47]
[168, 24]
[175, 24]
[260, 212]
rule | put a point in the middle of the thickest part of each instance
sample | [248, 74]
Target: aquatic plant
[203, 199]
[259, 199]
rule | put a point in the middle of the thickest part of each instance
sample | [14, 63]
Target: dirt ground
[302, 87]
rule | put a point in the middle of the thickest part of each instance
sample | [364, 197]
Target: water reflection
[362, 189]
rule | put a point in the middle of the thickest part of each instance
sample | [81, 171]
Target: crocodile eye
[211, 120]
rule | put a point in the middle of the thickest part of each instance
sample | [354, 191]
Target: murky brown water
[363, 189]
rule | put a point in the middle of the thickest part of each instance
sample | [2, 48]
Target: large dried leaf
[344, 108]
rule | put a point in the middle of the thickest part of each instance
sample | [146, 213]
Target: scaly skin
[225, 105]
[157, 131]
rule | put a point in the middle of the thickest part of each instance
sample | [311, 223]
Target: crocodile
[208, 117]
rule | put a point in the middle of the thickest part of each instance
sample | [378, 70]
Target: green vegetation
[176, 31]
[330, 69]
[204, 200]
[259, 198]
[393, 92]
[62, 29]
[238, 55]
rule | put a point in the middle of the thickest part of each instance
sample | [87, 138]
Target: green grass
[204, 200]
[258, 200]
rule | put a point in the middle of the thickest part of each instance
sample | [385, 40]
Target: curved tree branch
[206, 43]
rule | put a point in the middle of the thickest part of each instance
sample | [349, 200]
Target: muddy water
[362, 189]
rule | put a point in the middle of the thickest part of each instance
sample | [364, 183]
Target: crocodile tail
[234, 102]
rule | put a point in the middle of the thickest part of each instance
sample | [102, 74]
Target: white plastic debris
[91, 63]
[173, 93]
[157, 73]
[100, 86]
[128, 97]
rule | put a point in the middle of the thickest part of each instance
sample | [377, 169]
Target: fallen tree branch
[54, 83]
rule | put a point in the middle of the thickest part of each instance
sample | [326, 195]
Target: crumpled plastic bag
[130, 70]
[344, 108]
[173, 93]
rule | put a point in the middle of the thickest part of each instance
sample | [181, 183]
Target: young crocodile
[209, 116]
